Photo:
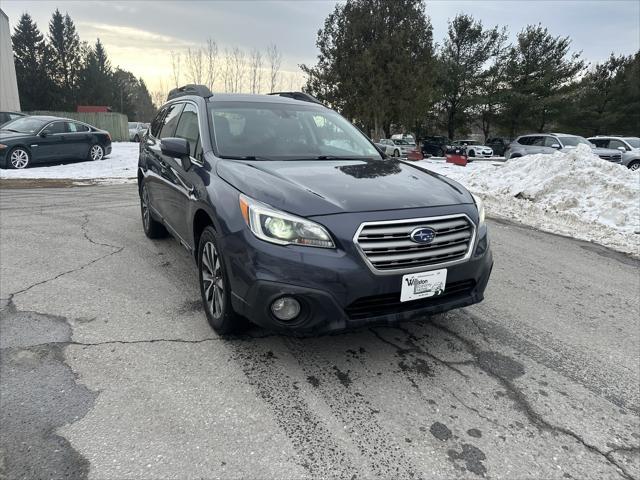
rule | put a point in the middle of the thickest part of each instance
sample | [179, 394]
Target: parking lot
[109, 369]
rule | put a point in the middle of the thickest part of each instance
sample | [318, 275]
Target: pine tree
[375, 62]
[66, 56]
[467, 50]
[31, 54]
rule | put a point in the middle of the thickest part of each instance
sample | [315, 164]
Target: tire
[18, 158]
[152, 228]
[214, 287]
[96, 152]
[634, 166]
[472, 153]
[396, 153]
[442, 153]
[136, 139]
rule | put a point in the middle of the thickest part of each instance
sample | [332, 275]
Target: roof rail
[305, 97]
[191, 89]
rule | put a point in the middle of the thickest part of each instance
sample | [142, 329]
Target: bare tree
[195, 65]
[239, 66]
[227, 71]
[159, 96]
[256, 70]
[175, 67]
[211, 58]
[274, 57]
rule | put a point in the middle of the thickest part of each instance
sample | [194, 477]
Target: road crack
[535, 418]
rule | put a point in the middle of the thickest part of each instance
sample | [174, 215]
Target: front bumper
[336, 289]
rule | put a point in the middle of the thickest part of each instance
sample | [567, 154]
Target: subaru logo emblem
[423, 235]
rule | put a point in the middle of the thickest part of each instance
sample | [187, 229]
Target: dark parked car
[6, 117]
[436, 146]
[297, 222]
[498, 144]
[36, 139]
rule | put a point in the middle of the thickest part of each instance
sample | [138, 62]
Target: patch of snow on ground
[574, 193]
[121, 164]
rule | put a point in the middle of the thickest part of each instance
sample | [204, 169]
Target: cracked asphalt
[108, 369]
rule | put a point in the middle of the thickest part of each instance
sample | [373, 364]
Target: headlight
[2, 146]
[480, 206]
[282, 228]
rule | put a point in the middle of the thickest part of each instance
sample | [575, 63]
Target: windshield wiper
[245, 157]
[335, 157]
[9, 130]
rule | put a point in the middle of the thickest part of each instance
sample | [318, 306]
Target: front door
[48, 144]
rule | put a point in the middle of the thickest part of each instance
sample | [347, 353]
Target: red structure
[93, 108]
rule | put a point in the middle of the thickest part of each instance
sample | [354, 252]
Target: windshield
[574, 141]
[25, 125]
[633, 142]
[281, 131]
[401, 142]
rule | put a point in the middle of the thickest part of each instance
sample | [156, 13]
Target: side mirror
[622, 149]
[556, 146]
[176, 148]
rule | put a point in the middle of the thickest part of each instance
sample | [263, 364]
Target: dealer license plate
[423, 285]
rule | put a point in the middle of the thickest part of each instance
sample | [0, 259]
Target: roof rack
[191, 89]
[305, 97]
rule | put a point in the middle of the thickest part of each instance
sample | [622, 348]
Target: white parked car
[473, 149]
[395, 148]
[404, 136]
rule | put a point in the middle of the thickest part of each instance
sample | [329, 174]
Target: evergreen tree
[31, 55]
[464, 56]
[541, 75]
[66, 58]
[374, 62]
[96, 85]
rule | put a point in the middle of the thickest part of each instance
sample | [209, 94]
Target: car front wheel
[396, 153]
[634, 166]
[214, 286]
[96, 152]
[19, 158]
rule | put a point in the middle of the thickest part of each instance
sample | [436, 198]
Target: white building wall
[9, 98]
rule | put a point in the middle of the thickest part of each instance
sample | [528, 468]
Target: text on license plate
[423, 284]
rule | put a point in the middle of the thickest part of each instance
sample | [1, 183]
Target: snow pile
[572, 193]
[121, 164]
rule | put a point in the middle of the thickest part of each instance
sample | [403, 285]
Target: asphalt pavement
[108, 369]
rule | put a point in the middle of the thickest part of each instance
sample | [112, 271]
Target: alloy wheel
[635, 166]
[146, 215]
[96, 152]
[213, 282]
[19, 158]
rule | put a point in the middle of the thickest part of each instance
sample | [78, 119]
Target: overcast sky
[139, 35]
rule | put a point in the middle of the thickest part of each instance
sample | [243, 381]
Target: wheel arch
[201, 220]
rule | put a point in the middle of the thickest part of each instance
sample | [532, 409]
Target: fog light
[285, 308]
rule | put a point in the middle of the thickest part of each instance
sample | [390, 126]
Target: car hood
[326, 187]
[606, 151]
[7, 135]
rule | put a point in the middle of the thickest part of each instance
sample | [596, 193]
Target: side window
[171, 120]
[615, 144]
[156, 125]
[525, 140]
[600, 143]
[538, 141]
[188, 127]
[55, 127]
[550, 141]
[76, 127]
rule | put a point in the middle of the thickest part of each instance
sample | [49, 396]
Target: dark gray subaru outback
[297, 222]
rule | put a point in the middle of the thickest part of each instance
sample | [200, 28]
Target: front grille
[388, 245]
[377, 305]
[617, 158]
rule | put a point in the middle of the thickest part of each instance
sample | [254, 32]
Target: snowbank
[575, 194]
[117, 167]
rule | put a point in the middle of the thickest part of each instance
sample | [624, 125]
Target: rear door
[77, 139]
[165, 177]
